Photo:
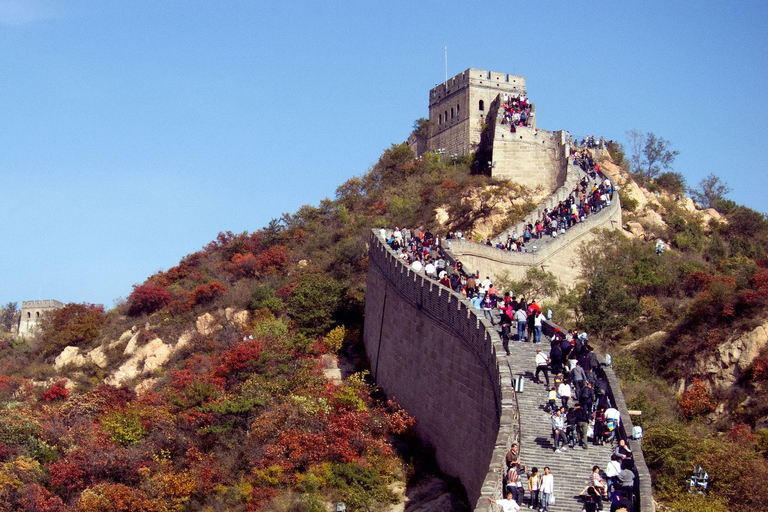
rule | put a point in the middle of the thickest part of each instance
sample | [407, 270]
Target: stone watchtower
[466, 116]
[31, 313]
[458, 108]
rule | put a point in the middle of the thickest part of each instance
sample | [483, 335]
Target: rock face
[734, 357]
[70, 355]
[206, 324]
[143, 360]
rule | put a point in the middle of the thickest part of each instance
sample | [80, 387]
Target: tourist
[542, 365]
[507, 505]
[558, 428]
[534, 485]
[564, 390]
[547, 489]
[596, 481]
[582, 424]
[521, 318]
[513, 455]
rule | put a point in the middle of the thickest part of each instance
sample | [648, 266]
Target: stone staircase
[571, 468]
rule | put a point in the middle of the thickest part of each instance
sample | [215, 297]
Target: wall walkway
[446, 365]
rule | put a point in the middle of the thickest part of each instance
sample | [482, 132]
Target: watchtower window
[446, 116]
[29, 315]
[37, 314]
[481, 105]
[440, 119]
[458, 107]
[451, 112]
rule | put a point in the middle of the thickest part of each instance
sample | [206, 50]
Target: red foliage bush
[56, 392]
[449, 185]
[206, 292]
[147, 298]
[239, 358]
[244, 265]
[695, 400]
[380, 208]
[272, 259]
[760, 367]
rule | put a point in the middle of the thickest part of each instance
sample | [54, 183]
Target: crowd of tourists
[516, 111]
[590, 196]
[580, 409]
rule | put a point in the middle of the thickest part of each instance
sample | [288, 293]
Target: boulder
[184, 339]
[206, 324]
[98, 357]
[155, 354]
[70, 355]
[239, 317]
[133, 343]
[734, 357]
[635, 228]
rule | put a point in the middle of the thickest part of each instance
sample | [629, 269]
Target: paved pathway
[571, 469]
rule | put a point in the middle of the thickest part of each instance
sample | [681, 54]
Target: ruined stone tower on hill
[466, 114]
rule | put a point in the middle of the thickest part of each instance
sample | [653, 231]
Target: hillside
[236, 379]
[216, 384]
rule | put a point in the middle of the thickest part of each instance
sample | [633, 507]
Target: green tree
[650, 154]
[710, 191]
[536, 284]
[314, 302]
[9, 316]
[421, 128]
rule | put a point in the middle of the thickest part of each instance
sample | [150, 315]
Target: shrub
[147, 298]
[58, 391]
[672, 182]
[695, 401]
[313, 302]
[264, 297]
[335, 339]
[628, 202]
[124, 427]
[206, 292]
[272, 259]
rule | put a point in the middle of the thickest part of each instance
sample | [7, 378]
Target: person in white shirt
[507, 505]
[547, 488]
[542, 365]
[564, 390]
[417, 266]
[430, 269]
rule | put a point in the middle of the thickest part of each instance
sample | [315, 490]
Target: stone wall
[559, 256]
[530, 157]
[32, 311]
[432, 352]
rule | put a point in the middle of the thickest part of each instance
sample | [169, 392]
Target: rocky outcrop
[206, 324]
[143, 360]
[734, 357]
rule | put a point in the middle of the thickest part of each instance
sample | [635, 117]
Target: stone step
[571, 468]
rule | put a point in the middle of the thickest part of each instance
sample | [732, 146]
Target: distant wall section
[31, 313]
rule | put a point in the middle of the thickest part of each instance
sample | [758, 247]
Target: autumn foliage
[57, 391]
[696, 401]
[147, 298]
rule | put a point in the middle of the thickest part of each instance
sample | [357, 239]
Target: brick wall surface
[432, 352]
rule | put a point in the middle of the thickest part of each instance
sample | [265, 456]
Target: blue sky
[131, 133]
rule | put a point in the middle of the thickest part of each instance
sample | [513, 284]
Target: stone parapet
[444, 363]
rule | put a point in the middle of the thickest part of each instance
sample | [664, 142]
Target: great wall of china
[445, 364]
